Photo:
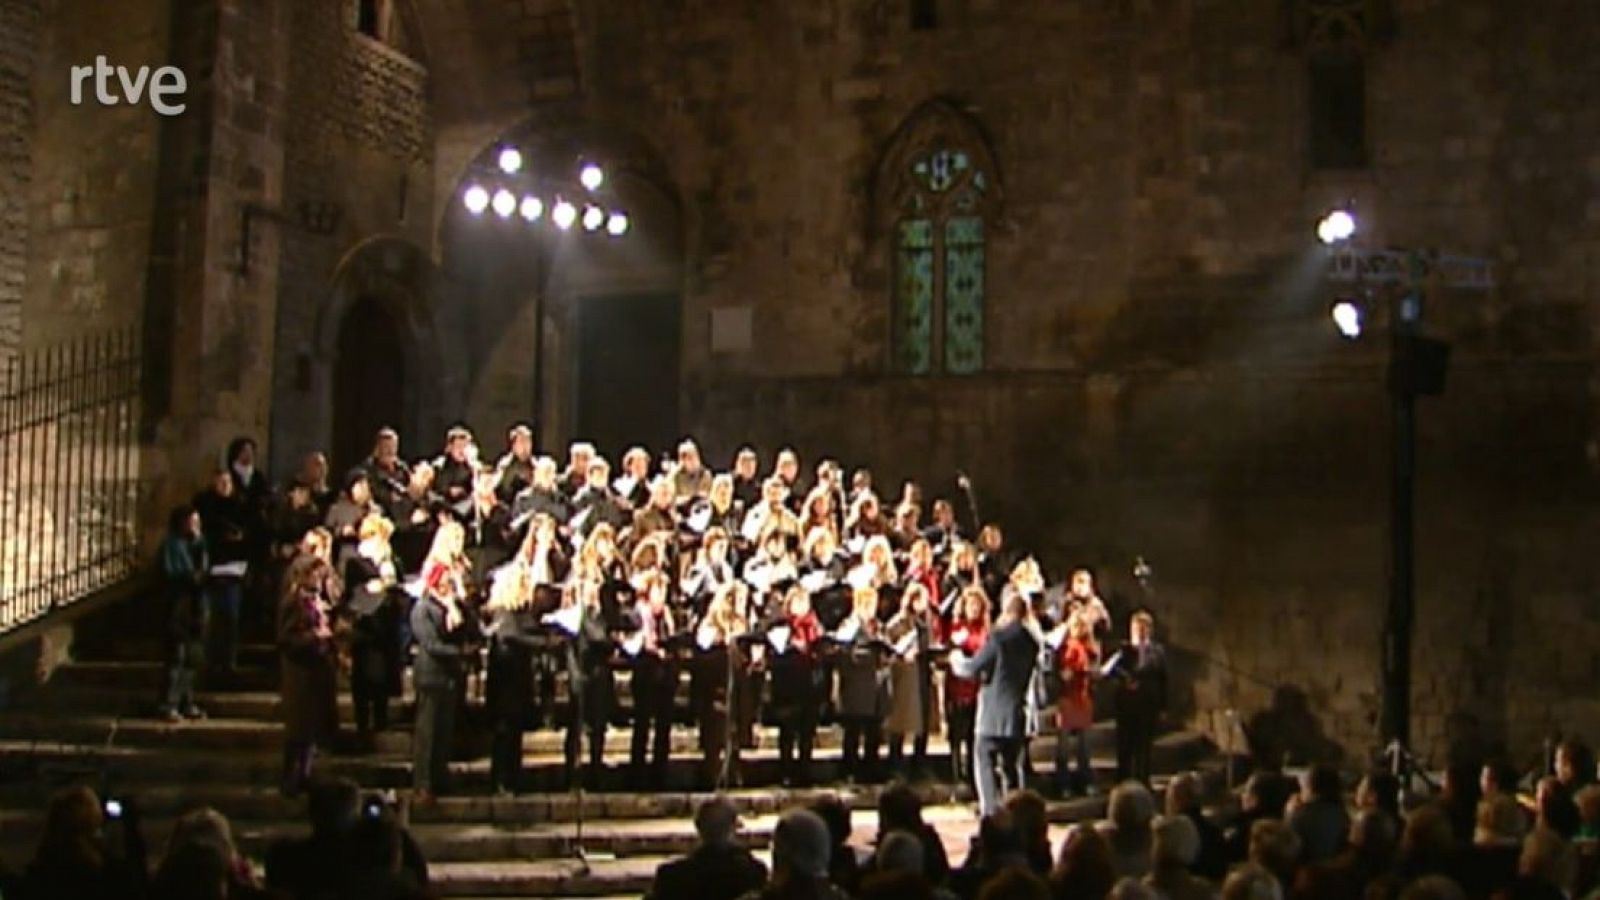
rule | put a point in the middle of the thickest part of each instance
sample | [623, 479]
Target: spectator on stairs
[310, 682]
[719, 868]
[299, 867]
[79, 858]
[1083, 869]
[801, 847]
[183, 569]
[200, 850]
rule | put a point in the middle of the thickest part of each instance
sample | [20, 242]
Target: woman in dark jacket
[375, 604]
[309, 686]
[520, 595]
[183, 568]
[228, 527]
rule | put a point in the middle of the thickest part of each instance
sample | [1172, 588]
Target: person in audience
[1491, 865]
[374, 862]
[77, 860]
[1174, 846]
[183, 572]
[209, 829]
[994, 849]
[1132, 889]
[1275, 846]
[1265, 796]
[1555, 809]
[900, 870]
[1546, 869]
[1574, 765]
[1588, 801]
[1251, 882]
[1032, 820]
[1127, 829]
[1183, 799]
[1427, 847]
[1459, 796]
[1433, 887]
[1497, 777]
[844, 866]
[196, 872]
[1368, 856]
[1015, 884]
[719, 868]
[1379, 790]
[1321, 820]
[900, 809]
[800, 852]
[1084, 869]
[299, 866]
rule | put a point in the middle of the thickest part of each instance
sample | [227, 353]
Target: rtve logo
[114, 85]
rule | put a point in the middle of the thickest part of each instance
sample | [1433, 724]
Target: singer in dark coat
[1005, 665]
[310, 683]
[442, 628]
[1141, 695]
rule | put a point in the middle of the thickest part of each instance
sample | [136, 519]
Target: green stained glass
[963, 294]
[913, 325]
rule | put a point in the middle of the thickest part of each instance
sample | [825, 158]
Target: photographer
[299, 866]
[80, 858]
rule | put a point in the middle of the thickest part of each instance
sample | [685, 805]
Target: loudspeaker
[1419, 366]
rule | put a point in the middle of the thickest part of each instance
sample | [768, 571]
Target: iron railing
[69, 472]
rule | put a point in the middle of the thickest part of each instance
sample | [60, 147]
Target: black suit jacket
[709, 873]
[1005, 664]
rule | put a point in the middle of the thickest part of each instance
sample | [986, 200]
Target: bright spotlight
[476, 199]
[505, 203]
[564, 214]
[617, 224]
[510, 160]
[532, 208]
[1336, 226]
[591, 176]
[1347, 318]
[593, 218]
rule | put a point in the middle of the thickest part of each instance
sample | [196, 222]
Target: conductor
[1140, 668]
[1005, 665]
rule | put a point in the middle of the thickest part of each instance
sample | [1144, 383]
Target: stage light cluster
[512, 189]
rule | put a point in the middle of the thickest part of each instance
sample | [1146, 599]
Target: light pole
[508, 192]
[1416, 368]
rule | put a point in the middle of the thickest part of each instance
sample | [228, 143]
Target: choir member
[920, 569]
[314, 475]
[823, 568]
[943, 533]
[746, 478]
[878, 571]
[512, 626]
[541, 496]
[598, 504]
[787, 470]
[913, 711]
[711, 571]
[961, 574]
[308, 667]
[249, 483]
[545, 564]
[514, 470]
[1078, 661]
[863, 686]
[443, 627]
[455, 471]
[658, 516]
[376, 605]
[416, 513]
[1083, 600]
[633, 485]
[690, 479]
[796, 686]
[907, 526]
[860, 485]
[771, 569]
[723, 688]
[389, 474]
[969, 628]
[600, 582]
[1005, 665]
[1141, 695]
[183, 571]
[296, 514]
[818, 512]
[655, 683]
[489, 531]
[993, 559]
[724, 508]
[226, 522]
[866, 519]
[579, 455]
[770, 515]
[352, 508]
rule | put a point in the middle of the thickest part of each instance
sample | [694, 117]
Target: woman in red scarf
[969, 628]
[1078, 658]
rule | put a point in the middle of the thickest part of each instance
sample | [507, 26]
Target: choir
[783, 601]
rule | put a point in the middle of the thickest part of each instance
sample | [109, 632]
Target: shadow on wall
[1289, 733]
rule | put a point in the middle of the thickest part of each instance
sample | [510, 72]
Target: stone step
[146, 765]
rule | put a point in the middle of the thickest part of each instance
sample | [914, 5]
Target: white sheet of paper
[1056, 637]
[861, 576]
[567, 618]
[815, 581]
[847, 631]
[706, 638]
[958, 637]
[415, 587]
[1111, 664]
[906, 644]
[700, 519]
[633, 645]
[624, 485]
[855, 545]
[230, 570]
[778, 637]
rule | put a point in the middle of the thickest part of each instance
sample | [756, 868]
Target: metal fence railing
[69, 473]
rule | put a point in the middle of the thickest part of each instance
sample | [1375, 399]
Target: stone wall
[19, 45]
[1163, 378]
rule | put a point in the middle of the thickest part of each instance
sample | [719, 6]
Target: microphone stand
[579, 645]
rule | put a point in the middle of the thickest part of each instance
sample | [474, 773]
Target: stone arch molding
[404, 281]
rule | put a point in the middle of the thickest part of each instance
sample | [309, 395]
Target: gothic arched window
[939, 194]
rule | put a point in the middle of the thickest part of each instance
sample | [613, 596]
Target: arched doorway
[369, 381]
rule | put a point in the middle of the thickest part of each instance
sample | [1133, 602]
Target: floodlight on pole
[476, 199]
[1337, 226]
[1347, 318]
[505, 203]
[563, 214]
[510, 160]
[617, 224]
[591, 176]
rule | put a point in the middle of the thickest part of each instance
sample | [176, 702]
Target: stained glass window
[939, 262]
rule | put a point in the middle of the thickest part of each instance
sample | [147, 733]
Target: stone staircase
[92, 723]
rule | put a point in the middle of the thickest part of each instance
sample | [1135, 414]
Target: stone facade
[1160, 378]
[19, 45]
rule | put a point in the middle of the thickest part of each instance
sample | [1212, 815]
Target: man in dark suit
[1141, 695]
[719, 869]
[1005, 665]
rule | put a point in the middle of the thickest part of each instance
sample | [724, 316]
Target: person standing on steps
[1005, 665]
[1141, 694]
[183, 568]
[443, 625]
[310, 683]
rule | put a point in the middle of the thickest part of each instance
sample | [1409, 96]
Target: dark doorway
[369, 381]
[628, 373]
